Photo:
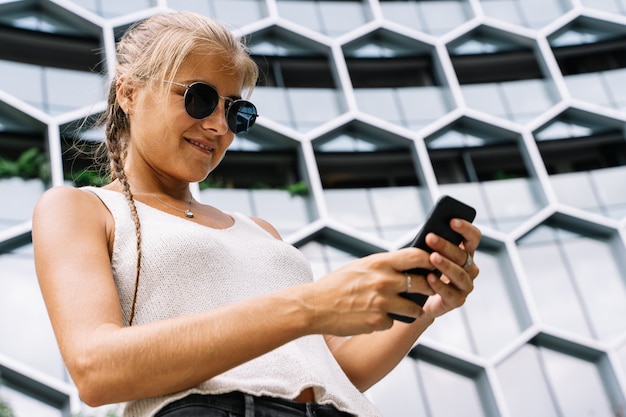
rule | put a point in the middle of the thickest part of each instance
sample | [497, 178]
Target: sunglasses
[201, 100]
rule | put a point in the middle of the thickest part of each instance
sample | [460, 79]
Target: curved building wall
[370, 110]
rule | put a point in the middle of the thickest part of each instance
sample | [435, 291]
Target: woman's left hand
[457, 267]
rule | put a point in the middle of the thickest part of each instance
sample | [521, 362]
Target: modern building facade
[370, 110]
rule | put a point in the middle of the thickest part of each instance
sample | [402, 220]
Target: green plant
[301, 188]
[32, 163]
[5, 409]
[88, 177]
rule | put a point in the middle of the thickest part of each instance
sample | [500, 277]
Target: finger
[447, 249]
[455, 274]
[409, 258]
[471, 234]
[415, 283]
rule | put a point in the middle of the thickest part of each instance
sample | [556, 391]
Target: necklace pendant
[188, 214]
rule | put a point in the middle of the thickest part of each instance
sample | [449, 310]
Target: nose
[216, 121]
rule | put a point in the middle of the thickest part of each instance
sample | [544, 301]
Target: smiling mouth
[200, 145]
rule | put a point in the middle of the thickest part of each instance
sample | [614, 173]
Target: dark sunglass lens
[241, 116]
[200, 100]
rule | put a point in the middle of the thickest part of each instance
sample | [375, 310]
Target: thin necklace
[188, 213]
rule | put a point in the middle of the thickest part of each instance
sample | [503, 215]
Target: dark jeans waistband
[245, 405]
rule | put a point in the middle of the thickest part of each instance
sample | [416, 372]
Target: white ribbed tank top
[187, 268]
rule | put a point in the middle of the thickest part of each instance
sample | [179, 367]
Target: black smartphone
[438, 222]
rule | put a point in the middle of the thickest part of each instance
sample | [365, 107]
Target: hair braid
[156, 48]
[116, 125]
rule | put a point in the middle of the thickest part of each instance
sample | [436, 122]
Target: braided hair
[155, 49]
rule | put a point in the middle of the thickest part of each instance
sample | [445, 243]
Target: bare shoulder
[68, 201]
[265, 225]
[65, 210]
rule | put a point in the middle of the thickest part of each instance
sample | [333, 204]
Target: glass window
[616, 80]
[22, 404]
[612, 6]
[313, 107]
[557, 267]
[589, 398]
[379, 102]
[548, 276]
[351, 207]
[114, 8]
[526, 99]
[519, 101]
[399, 394]
[234, 12]
[22, 307]
[397, 209]
[522, 378]
[440, 382]
[434, 17]
[422, 105]
[530, 13]
[585, 157]
[488, 321]
[326, 255]
[52, 90]
[487, 98]
[589, 87]
[24, 195]
[487, 169]
[332, 18]
[605, 303]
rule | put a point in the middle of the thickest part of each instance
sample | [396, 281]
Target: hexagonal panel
[24, 165]
[329, 17]
[234, 12]
[111, 9]
[298, 86]
[488, 168]
[592, 57]
[261, 175]
[370, 181]
[561, 379]
[32, 40]
[585, 156]
[432, 17]
[565, 283]
[413, 92]
[533, 14]
[500, 74]
[494, 314]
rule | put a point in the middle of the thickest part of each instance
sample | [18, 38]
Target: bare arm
[367, 358]
[112, 363]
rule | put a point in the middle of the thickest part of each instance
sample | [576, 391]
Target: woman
[180, 309]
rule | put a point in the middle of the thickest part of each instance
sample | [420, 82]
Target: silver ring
[469, 261]
[408, 282]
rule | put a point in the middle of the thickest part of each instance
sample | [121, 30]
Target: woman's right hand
[357, 297]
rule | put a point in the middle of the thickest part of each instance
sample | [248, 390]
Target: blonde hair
[155, 49]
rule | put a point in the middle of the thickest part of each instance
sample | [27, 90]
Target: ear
[126, 94]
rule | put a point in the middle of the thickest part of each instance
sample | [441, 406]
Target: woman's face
[165, 140]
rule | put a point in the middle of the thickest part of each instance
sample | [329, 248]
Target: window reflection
[489, 320]
[558, 266]
[114, 8]
[21, 297]
[439, 382]
[25, 405]
[533, 14]
[332, 18]
[370, 182]
[234, 12]
[433, 17]
[326, 256]
[52, 90]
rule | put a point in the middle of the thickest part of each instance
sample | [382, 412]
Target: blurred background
[370, 110]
